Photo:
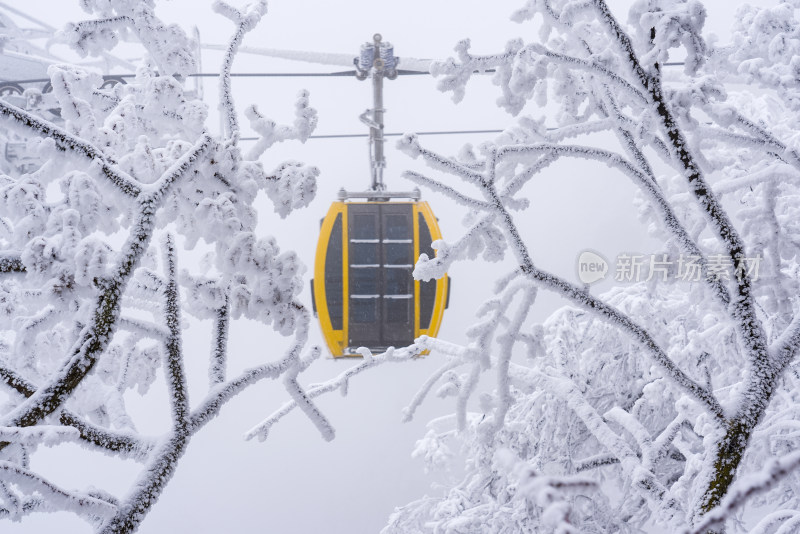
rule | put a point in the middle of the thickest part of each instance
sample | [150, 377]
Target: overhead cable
[388, 134]
[344, 73]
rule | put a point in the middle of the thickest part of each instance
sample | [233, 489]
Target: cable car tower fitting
[376, 61]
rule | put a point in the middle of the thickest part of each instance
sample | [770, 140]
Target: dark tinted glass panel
[397, 227]
[364, 281]
[363, 310]
[364, 254]
[363, 225]
[427, 297]
[427, 290]
[333, 275]
[399, 253]
[425, 237]
[398, 310]
[398, 282]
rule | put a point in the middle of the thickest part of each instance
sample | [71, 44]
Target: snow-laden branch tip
[245, 22]
[269, 132]
[58, 499]
[301, 397]
[340, 383]
[447, 190]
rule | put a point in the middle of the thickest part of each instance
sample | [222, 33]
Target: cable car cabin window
[381, 250]
[364, 281]
[334, 289]
[399, 253]
[398, 310]
[364, 253]
[399, 282]
[363, 310]
[363, 225]
[397, 227]
[427, 290]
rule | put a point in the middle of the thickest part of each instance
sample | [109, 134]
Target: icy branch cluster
[766, 48]
[94, 294]
[663, 405]
[168, 45]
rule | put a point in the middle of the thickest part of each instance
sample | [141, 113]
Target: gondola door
[397, 225]
[381, 249]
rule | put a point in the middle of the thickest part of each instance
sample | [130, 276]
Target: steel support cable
[400, 72]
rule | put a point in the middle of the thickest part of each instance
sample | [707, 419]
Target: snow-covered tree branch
[669, 393]
[95, 296]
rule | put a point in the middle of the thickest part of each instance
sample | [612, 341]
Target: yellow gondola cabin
[363, 290]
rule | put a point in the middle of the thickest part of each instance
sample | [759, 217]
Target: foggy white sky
[295, 482]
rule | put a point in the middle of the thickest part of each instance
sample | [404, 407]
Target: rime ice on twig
[244, 22]
[269, 133]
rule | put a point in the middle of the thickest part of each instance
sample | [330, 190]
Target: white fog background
[295, 482]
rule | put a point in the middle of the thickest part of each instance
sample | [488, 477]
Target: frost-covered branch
[531, 51]
[301, 397]
[573, 293]
[720, 396]
[11, 263]
[517, 182]
[447, 190]
[148, 488]
[42, 434]
[784, 349]
[244, 22]
[219, 350]
[743, 308]
[155, 192]
[613, 443]
[746, 489]
[88, 34]
[584, 300]
[143, 328]
[455, 76]
[763, 138]
[95, 337]
[422, 393]
[86, 310]
[465, 394]
[176, 377]
[483, 237]
[760, 385]
[74, 145]
[506, 343]
[550, 152]
[410, 145]
[594, 462]
[222, 393]
[269, 133]
[124, 444]
[338, 383]
[167, 45]
[56, 497]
